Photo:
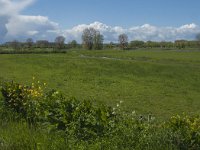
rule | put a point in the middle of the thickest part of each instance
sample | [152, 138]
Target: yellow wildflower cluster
[192, 123]
[35, 90]
[18, 96]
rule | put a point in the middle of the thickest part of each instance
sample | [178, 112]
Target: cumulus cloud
[10, 8]
[144, 32]
[29, 26]
[14, 25]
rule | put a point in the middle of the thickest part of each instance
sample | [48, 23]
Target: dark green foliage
[22, 99]
[72, 124]
[136, 44]
[81, 119]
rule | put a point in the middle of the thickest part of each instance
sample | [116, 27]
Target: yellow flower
[45, 84]
[33, 78]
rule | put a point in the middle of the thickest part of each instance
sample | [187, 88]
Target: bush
[184, 131]
[23, 99]
[87, 125]
[81, 119]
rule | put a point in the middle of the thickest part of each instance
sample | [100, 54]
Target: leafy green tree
[180, 44]
[73, 44]
[98, 41]
[136, 44]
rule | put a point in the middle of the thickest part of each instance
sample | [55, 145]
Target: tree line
[92, 39]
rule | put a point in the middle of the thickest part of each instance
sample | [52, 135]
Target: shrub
[184, 131]
[93, 125]
[81, 119]
[23, 99]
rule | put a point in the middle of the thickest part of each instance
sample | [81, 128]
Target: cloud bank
[144, 32]
[14, 25]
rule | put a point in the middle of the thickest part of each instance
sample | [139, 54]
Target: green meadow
[158, 82]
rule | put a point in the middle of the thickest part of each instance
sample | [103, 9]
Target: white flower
[133, 112]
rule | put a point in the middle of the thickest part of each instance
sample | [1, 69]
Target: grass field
[160, 82]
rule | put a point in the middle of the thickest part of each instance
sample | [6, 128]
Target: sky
[156, 20]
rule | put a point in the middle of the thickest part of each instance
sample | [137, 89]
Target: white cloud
[14, 25]
[24, 26]
[145, 32]
[11, 7]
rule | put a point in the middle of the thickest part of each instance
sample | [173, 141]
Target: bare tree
[123, 41]
[92, 39]
[42, 43]
[29, 42]
[15, 45]
[88, 37]
[59, 41]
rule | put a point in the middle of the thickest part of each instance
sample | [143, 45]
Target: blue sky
[126, 13]
[156, 20]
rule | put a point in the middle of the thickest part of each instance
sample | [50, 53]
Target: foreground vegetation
[123, 100]
[32, 117]
[160, 82]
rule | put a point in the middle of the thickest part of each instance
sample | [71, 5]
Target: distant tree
[123, 41]
[42, 43]
[169, 44]
[136, 44]
[180, 44]
[92, 39]
[151, 44]
[73, 44]
[59, 42]
[111, 45]
[88, 38]
[15, 45]
[198, 39]
[29, 42]
[98, 41]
